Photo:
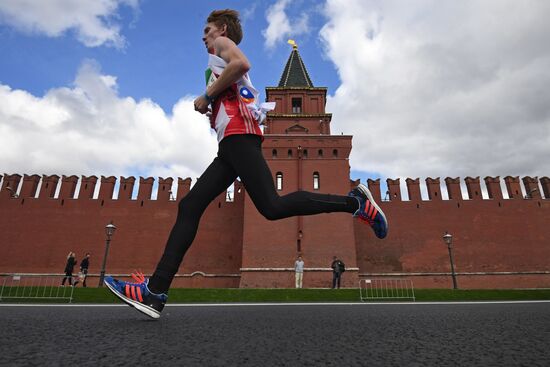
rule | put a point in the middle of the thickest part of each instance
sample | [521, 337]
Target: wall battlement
[432, 189]
[91, 187]
[471, 188]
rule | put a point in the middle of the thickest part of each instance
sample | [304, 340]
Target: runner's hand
[201, 104]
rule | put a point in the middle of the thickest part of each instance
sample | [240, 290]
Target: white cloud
[92, 21]
[89, 129]
[442, 88]
[248, 13]
[280, 26]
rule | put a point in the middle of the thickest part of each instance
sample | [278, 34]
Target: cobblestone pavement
[294, 335]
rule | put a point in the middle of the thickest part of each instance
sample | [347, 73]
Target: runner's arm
[237, 66]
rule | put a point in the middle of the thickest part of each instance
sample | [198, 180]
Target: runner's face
[211, 32]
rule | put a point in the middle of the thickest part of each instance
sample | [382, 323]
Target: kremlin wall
[501, 240]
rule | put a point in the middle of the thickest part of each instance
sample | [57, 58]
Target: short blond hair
[230, 18]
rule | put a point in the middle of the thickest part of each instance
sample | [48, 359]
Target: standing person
[299, 269]
[338, 268]
[69, 268]
[84, 265]
[235, 115]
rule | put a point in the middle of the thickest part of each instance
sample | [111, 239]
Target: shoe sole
[367, 192]
[137, 305]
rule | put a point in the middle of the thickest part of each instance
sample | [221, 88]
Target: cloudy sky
[427, 88]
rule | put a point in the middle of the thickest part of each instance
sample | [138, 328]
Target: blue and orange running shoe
[138, 295]
[369, 212]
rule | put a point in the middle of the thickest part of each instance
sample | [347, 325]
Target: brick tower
[302, 155]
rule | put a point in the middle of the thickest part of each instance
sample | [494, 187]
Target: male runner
[235, 116]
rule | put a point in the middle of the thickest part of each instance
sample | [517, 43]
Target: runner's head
[223, 23]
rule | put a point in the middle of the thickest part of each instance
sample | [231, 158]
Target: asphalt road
[304, 335]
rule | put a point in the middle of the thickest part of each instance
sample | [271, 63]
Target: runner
[231, 101]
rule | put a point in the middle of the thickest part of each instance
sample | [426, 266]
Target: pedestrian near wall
[338, 267]
[299, 270]
[84, 265]
[69, 268]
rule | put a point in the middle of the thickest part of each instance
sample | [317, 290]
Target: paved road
[304, 335]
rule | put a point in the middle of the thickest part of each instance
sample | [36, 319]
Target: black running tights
[238, 156]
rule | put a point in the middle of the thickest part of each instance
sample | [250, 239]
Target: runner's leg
[217, 178]
[244, 153]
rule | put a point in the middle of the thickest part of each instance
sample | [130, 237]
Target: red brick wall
[37, 233]
[491, 237]
[505, 235]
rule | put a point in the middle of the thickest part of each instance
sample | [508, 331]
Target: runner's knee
[271, 211]
[190, 204]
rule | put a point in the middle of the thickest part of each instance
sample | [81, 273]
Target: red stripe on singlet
[245, 117]
[251, 118]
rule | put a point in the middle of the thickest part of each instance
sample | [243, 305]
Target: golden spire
[293, 43]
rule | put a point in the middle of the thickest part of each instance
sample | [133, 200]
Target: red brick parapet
[394, 187]
[493, 187]
[434, 188]
[453, 188]
[413, 188]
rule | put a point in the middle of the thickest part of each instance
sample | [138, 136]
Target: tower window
[290, 153]
[316, 183]
[274, 153]
[296, 105]
[335, 153]
[320, 153]
[279, 180]
[305, 153]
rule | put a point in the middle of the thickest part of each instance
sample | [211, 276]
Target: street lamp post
[109, 231]
[448, 239]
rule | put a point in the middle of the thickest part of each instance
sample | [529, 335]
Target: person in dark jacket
[84, 265]
[338, 268]
[69, 268]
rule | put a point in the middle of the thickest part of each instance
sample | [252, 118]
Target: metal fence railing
[34, 286]
[386, 289]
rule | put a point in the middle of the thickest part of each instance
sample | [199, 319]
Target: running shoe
[138, 295]
[369, 212]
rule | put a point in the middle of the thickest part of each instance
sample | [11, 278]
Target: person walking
[69, 268]
[231, 102]
[338, 267]
[84, 265]
[299, 270]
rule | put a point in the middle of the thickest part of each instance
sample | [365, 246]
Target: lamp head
[448, 238]
[110, 229]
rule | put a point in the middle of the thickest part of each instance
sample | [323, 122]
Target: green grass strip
[212, 295]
